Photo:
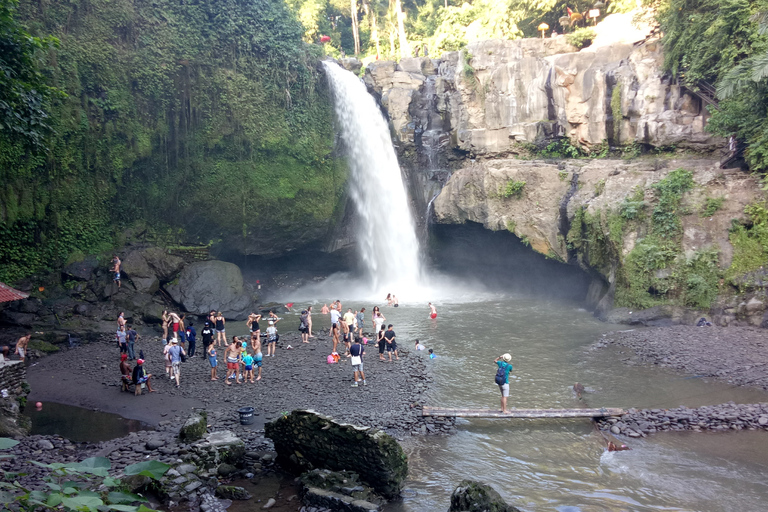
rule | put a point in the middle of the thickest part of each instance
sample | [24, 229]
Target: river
[562, 464]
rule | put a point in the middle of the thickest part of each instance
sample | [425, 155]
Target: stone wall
[13, 376]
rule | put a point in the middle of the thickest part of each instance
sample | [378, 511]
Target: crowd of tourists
[244, 355]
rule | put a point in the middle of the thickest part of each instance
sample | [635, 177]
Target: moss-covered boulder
[195, 427]
[471, 496]
[305, 440]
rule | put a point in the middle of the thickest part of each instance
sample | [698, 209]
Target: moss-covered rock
[195, 427]
[471, 496]
[305, 440]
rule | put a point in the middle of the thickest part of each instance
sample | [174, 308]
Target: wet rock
[81, 270]
[471, 496]
[226, 469]
[232, 492]
[307, 440]
[45, 444]
[195, 427]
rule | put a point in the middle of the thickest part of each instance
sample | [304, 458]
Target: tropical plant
[78, 486]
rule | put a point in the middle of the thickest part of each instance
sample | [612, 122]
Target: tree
[355, 29]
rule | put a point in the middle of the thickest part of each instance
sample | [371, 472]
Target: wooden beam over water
[522, 413]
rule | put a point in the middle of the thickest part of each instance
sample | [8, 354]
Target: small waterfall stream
[387, 239]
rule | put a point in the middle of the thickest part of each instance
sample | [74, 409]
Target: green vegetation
[616, 112]
[599, 186]
[209, 118]
[561, 148]
[724, 43]
[582, 37]
[750, 242]
[711, 205]
[79, 486]
[513, 188]
[655, 271]
[43, 346]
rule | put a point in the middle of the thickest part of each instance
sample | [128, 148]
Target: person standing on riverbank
[207, 334]
[174, 320]
[391, 339]
[253, 326]
[132, 336]
[271, 339]
[22, 344]
[175, 353]
[304, 326]
[502, 378]
[359, 319]
[191, 338]
[378, 319]
[309, 321]
[335, 315]
[233, 359]
[121, 340]
[221, 335]
[381, 342]
[257, 355]
[357, 351]
[210, 350]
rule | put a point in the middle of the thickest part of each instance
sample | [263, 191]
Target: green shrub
[581, 37]
[750, 242]
[669, 194]
[711, 205]
[513, 188]
[561, 148]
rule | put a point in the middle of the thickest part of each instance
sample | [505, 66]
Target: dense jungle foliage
[394, 28]
[724, 43]
[206, 116]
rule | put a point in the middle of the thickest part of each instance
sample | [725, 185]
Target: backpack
[500, 375]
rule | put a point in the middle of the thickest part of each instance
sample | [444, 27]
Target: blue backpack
[501, 377]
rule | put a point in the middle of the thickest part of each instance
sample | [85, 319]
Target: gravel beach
[297, 378]
[736, 355]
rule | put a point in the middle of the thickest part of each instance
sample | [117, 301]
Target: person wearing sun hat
[504, 365]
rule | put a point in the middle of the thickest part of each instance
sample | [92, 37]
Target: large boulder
[146, 268]
[305, 440]
[208, 285]
[81, 270]
[471, 496]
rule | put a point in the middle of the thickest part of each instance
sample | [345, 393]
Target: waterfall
[386, 234]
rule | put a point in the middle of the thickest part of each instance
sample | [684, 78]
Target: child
[432, 354]
[248, 363]
[271, 339]
[419, 346]
[243, 353]
[211, 351]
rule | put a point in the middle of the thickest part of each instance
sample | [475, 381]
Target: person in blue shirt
[191, 338]
[502, 378]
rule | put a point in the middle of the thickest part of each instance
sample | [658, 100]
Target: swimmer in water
[432, 311]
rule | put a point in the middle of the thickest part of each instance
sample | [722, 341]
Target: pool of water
[562, 464]
[78, 424]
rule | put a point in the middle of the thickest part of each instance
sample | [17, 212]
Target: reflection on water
[78, 424]
[562, 464]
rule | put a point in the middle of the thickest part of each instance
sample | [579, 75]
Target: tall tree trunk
[405, 50]
[355, 28]
[371, 9]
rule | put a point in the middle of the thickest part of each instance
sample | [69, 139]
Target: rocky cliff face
[486, 100]
[616, 220]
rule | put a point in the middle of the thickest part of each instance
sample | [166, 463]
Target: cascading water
[386, 234]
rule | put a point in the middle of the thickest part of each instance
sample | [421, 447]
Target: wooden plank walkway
[523, 413]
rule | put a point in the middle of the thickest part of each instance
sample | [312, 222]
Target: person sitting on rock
[126, 379]
[140, 376]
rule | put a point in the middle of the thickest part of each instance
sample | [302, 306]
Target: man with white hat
[175, 353]
[502, 378]
[272, 338]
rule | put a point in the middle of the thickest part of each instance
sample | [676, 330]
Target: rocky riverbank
[714, 418]
[736, 355]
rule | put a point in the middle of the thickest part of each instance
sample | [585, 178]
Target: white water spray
[386, 233]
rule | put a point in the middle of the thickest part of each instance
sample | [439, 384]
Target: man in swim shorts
[391, 342]
[233, 359]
